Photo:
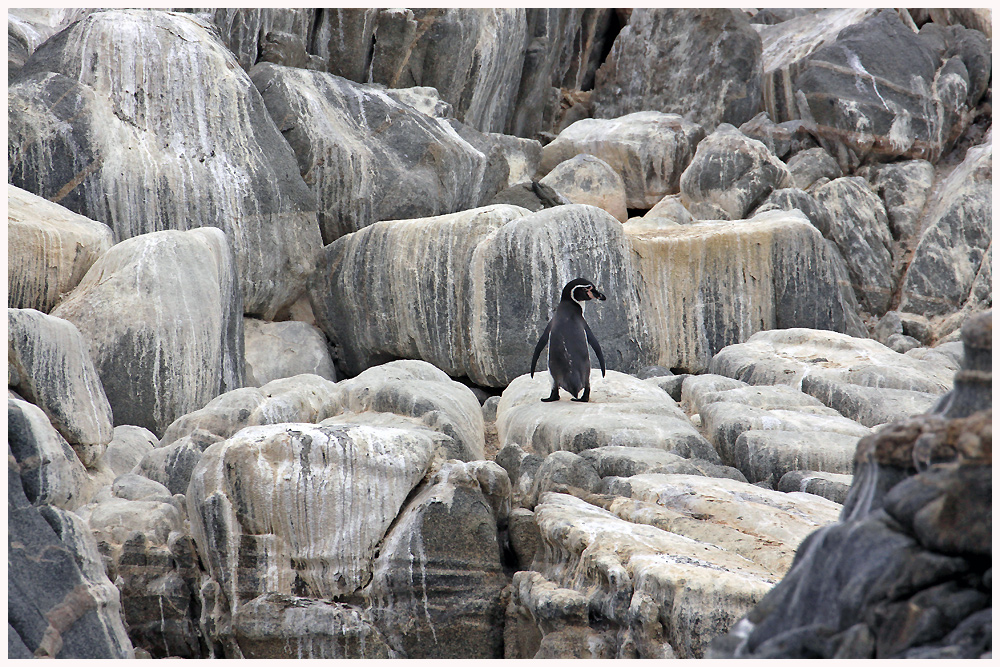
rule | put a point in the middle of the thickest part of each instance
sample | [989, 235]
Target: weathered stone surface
[904, 187]
[649, 149]
[127, 447]
[132, 486]
[162, 315]
[249, 31]
[284, 349]
[731, 172]
[80, 118]
[786, 356]
[60, 603]
[173, 464]
[703, 390]
[450, 526]
[788, 199]
[916, 96]
[245, 502]
[712, 284]
[623, 411]
[785, 46]
[870, 406]
[49, 472]
[954, 251]
[811, 165]
[616, 461]
[586, 179]
[860, 228]
[532, 196]
[785, 140]
[49, 248]
[275, 626]
[54, 371]
[829, 485]
[29, 27]
[364, 154]
[654, 65]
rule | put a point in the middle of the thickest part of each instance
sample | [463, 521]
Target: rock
[55, 372]
[787, 44]
[254, 34]
[913, 105]
[615, 461]
[668, 211]
[904, 187]
[671, 384]
[450, 525]
[973, 390]
[131, 486]
[162, 315]
[651, 67]
[246, 185]
[786, 356]
[860, 228]
[901, 343]
[172, 465]
[648, 149]
[49, 472]
[703, 390]
[887, 325]
[275, 626]
[789, 199]
[524, 538]
[622, 411]
[783, 139]
[284, 349]
[732, 172]
[49, 248]
[954, 250]
[417, 390]
[586, 179]
[60, 603]
[772, 271]
[533, 196]
[127, 447]
[283, 48]
[564, 472]
[811, 165]
[831, 486]
[522, 155]
[546, 621]
[871, 406]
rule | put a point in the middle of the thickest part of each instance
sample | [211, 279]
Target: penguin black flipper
[592, 339]
[540, 346]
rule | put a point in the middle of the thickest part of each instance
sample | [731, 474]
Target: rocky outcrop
[586, 179]
[283, 349]
[49, 364]
[364, 154]
[49, 248]
[162, 316]
[904, 187]
[79, 119]
[648, 149]
[653, 66]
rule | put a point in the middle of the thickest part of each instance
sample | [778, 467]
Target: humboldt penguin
[567, 334]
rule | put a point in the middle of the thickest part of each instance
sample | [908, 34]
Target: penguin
[567, 334]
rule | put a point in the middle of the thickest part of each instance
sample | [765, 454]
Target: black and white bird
[567, 334]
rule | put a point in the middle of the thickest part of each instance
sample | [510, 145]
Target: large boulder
[904, 187]
[951, 264]
[29, 27]
[702, 63]
[366, 155]
[729, 175]
[250, 31]
[713, 284]
[49, 248]
[284, 349]
[52, 368]
[586, 179]
[155, 95]
[162, 316]
[648, 149]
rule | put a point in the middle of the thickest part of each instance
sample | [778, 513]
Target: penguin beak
[594, 294]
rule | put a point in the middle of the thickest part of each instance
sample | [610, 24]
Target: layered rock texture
[275, 278]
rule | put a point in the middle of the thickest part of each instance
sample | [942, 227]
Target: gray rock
[770, 16]
[422, 98]
[359, 176]
[532, 196]
[766, 397]
[524, 537]
[901, 343]
[490, 409]
[162, 315]
[585, 179]
[647, 372]
[915, 102]
[904, 187]
[250, 33]
[49, 248]
[672, 384]
[127, 447]
[860, 228]
[648, 149]
[783, 139]
[668, 211]
[731, 171]
[284, 349]
[55, 372]
[831, 486]
[284, 48]
[789, 199]
[811, 165]
[450, 524]
[131, 486]
[917, 326]
[653, 66]
[521, 468]
[614, 461]
[887, 325]
[27, 28]
[563, 472]
[172, 465]
[870, 406]
[60, 603]
[954, 250]
[75, 128]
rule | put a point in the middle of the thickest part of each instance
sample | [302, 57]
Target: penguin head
[580, 290]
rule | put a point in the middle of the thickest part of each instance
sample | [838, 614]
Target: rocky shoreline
[275, 276]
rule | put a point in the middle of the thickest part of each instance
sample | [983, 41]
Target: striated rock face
[161, 314]
[79, 120]
[364, 154]
[648, 149]
[712, 284]
[702, 63]
[283, 349]
[52, 368]
[904, 187]
[952, 263]
[49, 248]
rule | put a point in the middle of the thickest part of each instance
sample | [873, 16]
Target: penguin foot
[554, 396]
[585, 397]
[579, 400]
[550, 399]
